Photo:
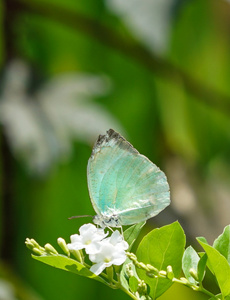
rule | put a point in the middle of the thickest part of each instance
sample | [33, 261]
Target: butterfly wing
[123, 182]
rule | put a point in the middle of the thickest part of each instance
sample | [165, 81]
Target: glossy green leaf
[132, 233]
[222, 243]
[202, 267]
[220, 267]
[123, 276]
[67, 264]
[215, 298]
[203, 239]
[133, 283]
[201, 254]
[161, 247]
[190, 260]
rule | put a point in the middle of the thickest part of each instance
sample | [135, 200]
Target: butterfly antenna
[82, 216]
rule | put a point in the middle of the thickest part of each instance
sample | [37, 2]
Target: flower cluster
[103, 251]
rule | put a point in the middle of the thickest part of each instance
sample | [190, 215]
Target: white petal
[119, 260]
[97, 257]
[116, 237]
[75, 246]
[75, 238]
[97, 268]
[123, 245]
[87, 228]
[93, 248]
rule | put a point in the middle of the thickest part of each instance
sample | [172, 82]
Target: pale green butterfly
[125, 187]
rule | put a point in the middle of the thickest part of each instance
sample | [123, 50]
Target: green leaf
[220, 267]
[131, 234]
[222, 243]
[201, 254]
[124, 278]
[219, 296]
[190, 260]
[161, 247]
[133, 284]
[68, 264]
[203, 239]
[201, 267]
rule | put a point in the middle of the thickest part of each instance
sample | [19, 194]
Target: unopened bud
[193, 273]
[162, 274]
[62, 243]
[170, 273]
[50, 249]
[152, 268]
[142, 287]
[38, 251]
[184, 280]
[128, 269]
[78, 255]
[29, 244]
[35, 243]
[34, 246]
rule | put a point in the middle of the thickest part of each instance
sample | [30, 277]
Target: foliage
[159, 260]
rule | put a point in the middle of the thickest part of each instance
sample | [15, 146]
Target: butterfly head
[107, 220]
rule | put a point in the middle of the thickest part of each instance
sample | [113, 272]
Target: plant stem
[203, 290]
[194, 287]
[128, 292]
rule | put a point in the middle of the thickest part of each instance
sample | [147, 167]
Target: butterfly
[125, 187]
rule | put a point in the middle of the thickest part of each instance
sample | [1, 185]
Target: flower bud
[162, 273]
[38, 251]
[34, 246]
[78, 255]
[29, 244]
[128, 269]
[142, 287]
[184, 280]
[152, 268]
[193, 273]
[62, 244]
[141, 265]
[170, 273]
[50, 249]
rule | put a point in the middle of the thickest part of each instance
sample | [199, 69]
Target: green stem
[194, 287]
[128, 292]
[203, 290]
[163, 274]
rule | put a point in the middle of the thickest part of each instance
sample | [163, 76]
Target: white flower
[116, 239]
[112, 252]
[89, 239]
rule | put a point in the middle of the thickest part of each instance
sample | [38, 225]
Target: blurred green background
[155, 70]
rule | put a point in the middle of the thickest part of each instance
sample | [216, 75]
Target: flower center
[107, 259]
[88, 242]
